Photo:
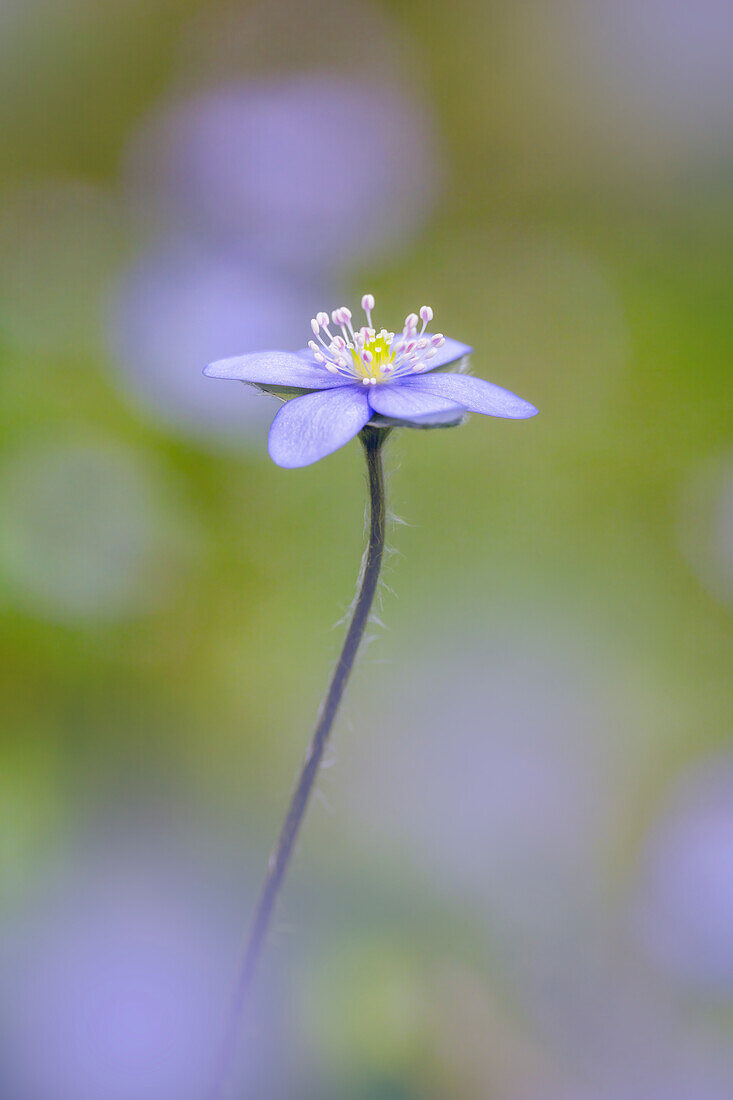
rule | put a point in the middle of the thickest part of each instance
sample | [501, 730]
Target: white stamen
[379, 355]
[367, 304]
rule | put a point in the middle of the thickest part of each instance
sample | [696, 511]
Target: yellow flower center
[379, 347]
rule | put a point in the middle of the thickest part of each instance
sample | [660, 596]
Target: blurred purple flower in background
[119, 985]
[183, 304]
[362, 373]
[480, 774]
[114, 985]
[311, 170]
[685, 908]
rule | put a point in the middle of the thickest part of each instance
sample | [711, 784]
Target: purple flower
[365, 376]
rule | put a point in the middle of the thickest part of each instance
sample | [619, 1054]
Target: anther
[426, 314]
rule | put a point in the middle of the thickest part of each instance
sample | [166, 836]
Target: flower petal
[406, 403]
[275, 368]
[450, 352]
[474, 394]
[311, 427]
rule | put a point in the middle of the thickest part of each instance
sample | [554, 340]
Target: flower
[345, 381]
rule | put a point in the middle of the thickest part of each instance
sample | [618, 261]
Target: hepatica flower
[349, 381]
[348, 378]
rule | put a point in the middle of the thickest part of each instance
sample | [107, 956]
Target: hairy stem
[372, 440]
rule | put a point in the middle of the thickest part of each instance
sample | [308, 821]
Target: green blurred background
[517, 882]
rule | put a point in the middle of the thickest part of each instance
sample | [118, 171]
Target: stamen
[367, 304]
[369, 356]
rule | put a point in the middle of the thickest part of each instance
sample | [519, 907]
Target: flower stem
[372, 440]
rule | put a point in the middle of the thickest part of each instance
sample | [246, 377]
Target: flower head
[349, 377]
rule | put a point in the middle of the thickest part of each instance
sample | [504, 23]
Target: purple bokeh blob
[302, 172]
[180, 307]
[685, 907]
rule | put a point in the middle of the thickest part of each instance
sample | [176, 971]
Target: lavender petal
[308, 428]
